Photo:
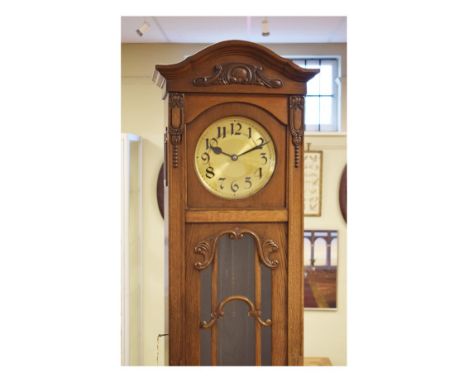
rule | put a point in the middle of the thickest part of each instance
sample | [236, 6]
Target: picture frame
[313, 164]
[320, 269]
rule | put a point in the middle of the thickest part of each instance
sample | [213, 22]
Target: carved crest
[237, 73]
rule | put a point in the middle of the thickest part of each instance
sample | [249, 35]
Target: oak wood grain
[213, 216]
[295, 253]
[273, 195]
[226, 79]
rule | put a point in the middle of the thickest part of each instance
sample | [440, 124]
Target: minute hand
[254, 148]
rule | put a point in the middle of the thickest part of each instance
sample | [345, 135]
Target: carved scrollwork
[238, 73]
[176, 100]
[204, 249]
[271, 247]
[207, 248]
[176, 124]
[219, 312]
[296, 124]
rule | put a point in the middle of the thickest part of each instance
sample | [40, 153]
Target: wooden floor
[317, 361]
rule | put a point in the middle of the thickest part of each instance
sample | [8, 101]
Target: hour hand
[218, 150]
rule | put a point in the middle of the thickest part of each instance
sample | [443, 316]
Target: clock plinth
[235, 206]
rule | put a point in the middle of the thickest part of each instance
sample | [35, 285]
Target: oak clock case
[234, 200]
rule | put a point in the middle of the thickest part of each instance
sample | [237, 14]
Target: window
[323, 94]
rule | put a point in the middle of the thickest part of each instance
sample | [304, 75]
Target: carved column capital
[176, 124]
[296, 124]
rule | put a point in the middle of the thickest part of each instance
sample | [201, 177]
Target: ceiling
[214, 29]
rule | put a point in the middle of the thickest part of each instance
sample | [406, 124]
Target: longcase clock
[234, 206]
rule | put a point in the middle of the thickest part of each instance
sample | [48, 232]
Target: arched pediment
[236, 67]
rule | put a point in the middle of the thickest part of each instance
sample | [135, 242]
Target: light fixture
[265, 27]
[143, 29]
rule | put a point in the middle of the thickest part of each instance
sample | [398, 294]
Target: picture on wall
[312, 183]
[320, 269]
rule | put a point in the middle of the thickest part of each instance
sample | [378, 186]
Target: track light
[265, 27]
[143, 29]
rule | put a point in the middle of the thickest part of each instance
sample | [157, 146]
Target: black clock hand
[254, 148]
[218, 150]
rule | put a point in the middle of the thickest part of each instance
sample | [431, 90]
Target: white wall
[143, 114]
[325, 330]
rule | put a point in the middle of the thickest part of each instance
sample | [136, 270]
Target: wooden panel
[214, 303]
[192, 308]
[197, 233]
[279, 303]
[197, 103]
[273, 195]
[176, 228]
[224, 216]
[295, 253]
[258, 304]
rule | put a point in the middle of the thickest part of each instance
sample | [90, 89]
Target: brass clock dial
[235, 157]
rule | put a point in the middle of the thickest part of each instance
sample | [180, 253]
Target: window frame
[339, 60]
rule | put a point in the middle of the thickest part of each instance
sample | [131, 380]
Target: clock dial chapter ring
[234, 157]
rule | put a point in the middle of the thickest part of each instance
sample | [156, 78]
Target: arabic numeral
[248, 181]
[221, 181]
[234, 186]
[222, 132]
[209, 172]
[205, 157]
[259, 172]
[211, 142]
[234, 131]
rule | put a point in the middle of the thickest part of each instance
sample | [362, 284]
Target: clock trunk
[235, 266]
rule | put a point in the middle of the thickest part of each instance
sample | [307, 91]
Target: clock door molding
[273, 195]
[235, 266]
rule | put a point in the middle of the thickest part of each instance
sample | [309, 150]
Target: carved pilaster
[176, 124]
[238, 73]
[296, 124]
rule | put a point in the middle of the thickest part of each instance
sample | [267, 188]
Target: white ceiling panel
[214, 29]
[131, 24]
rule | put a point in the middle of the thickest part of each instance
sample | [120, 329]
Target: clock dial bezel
[268, 171]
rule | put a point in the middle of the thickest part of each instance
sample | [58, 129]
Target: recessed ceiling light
[265, 27]
[143, 29]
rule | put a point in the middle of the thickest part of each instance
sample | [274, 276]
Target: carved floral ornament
[219, 312]
[207, 248]
[238, 73]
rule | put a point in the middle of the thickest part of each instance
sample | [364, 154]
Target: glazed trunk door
[236, 295]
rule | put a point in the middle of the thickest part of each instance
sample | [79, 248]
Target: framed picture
[320, 269]
[313, 183]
